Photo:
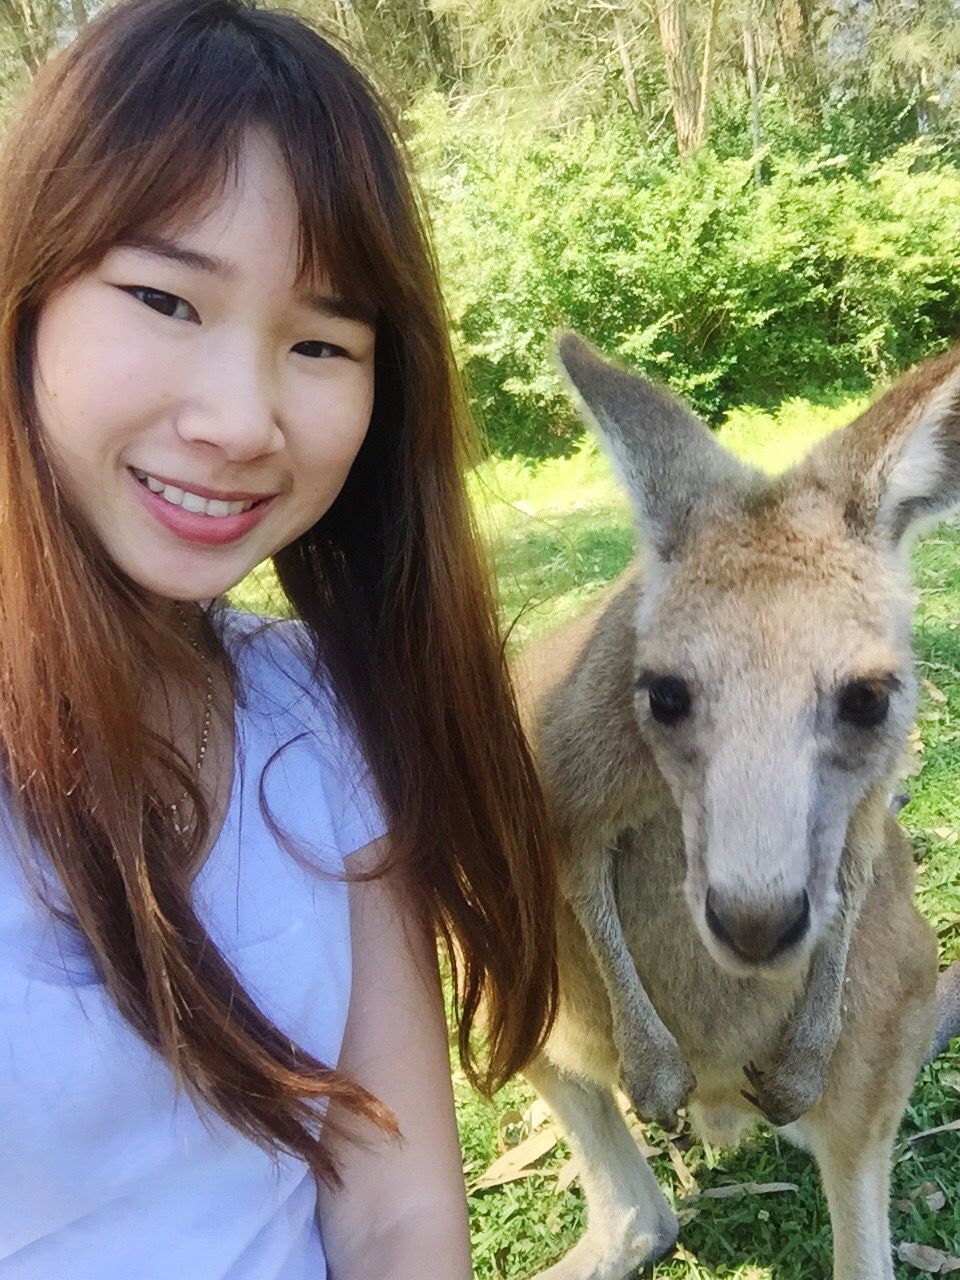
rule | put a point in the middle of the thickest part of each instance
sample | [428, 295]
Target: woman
[229, 847]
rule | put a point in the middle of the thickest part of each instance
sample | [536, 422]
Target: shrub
[730, 293]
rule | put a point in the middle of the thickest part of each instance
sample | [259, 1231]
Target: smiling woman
[189, 373]
[229, 845]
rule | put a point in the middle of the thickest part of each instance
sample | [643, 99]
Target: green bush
[731, 293]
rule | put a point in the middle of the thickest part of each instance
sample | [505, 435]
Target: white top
[106, 1172]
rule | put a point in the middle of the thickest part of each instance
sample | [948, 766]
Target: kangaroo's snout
[757, 932]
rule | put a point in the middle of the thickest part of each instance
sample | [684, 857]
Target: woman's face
[201, 410]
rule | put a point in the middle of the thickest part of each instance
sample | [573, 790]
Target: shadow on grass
[785, 1234]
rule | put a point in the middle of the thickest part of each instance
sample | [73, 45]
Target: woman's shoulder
[283, 641]
[286, 695]
[277, 666]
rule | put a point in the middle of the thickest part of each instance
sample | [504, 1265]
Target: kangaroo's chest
[719, 1020]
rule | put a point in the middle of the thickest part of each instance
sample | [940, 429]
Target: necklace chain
[175, 809]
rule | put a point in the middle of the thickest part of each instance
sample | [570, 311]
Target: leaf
[512, 1129]
[933, 690]
[912, 762]
[568, 1174]
[684, 1255]
[639, 1132]
[686, 1179]
[930, 1192]
[514, 1163]
[933, 1261]
[936, 694]
[734, 1189]
[952, 1127]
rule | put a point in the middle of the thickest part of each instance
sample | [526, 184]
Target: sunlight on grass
[561, 531]
[775, 441]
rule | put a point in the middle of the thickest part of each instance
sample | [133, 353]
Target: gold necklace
[175, 809]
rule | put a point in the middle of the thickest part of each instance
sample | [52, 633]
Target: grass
[559, 533]
[562, 531]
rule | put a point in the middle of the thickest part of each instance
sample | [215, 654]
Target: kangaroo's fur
[770, 599]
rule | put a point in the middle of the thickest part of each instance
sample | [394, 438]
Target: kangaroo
[719, 740]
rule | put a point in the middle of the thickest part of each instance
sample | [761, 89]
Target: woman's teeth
[192, 501]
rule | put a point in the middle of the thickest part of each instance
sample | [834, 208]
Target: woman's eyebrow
[161, 247]
[326, 304]
[329, 305]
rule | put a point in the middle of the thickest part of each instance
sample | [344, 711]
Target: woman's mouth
[195, 502]
[195, 517]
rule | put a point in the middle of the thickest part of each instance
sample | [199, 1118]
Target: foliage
[692, 274]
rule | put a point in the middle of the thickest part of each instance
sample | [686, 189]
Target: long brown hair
[141, 117]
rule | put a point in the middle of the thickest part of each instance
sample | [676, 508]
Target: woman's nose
[235, 408]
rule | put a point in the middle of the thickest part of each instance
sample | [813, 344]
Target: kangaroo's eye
[864, 703]
[669, 697]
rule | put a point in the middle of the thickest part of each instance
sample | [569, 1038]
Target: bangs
[164, 119]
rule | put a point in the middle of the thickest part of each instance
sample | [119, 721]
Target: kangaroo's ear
[899, 462]
[673, 468]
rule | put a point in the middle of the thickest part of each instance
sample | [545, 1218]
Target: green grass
[559, 534]
[562, 531]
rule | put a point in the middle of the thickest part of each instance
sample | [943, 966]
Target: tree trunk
[793, 25]
[795, 38]
[436, 43]
[33, 30]
[750, 58]
[681, 73]
[706, 79]
[623, 48]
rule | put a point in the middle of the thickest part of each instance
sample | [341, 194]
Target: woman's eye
[167, 304]
[318, 350]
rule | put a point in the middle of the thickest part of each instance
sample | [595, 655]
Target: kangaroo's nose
[757, 932]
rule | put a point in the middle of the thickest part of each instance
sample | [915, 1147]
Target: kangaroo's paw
[602, 1255]
[658, 1083]
[786, 1090]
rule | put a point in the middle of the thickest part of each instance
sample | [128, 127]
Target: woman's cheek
[94, 360]
[334, 417]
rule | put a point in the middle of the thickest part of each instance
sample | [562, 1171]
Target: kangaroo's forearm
[816, 1028]
[635, 1020]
